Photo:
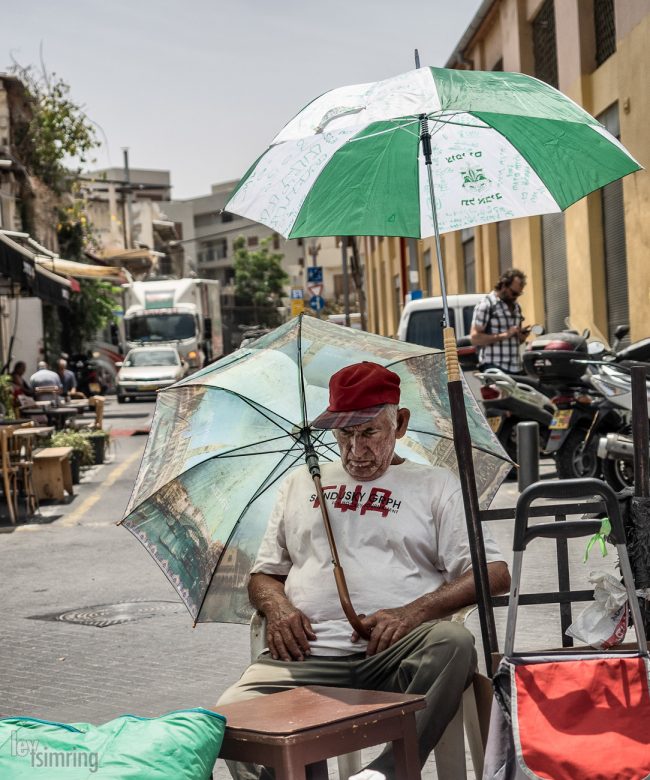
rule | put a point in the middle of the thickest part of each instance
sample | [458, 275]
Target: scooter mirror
[537, 330]
[595, 347]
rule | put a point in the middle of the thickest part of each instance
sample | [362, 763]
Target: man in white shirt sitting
[402, 539]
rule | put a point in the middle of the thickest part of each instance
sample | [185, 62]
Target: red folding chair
[576, 714]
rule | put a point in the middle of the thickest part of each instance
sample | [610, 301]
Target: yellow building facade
[591, 263]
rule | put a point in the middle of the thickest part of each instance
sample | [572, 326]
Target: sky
[201, 88]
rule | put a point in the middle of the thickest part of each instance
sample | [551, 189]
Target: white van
[421, 319]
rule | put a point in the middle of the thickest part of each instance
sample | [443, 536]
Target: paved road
[75, 558]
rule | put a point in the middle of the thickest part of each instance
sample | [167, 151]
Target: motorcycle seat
[536, 383]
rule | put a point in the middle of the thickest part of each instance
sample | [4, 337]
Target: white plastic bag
[603, 623]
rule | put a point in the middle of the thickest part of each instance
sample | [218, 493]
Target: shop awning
[80, 270]
[17, 263]
[52, 288]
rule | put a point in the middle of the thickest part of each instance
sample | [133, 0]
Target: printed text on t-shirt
[347, 499]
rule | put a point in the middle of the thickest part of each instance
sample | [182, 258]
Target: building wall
[503, 37]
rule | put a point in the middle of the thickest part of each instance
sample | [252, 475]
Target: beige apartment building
[590, 263]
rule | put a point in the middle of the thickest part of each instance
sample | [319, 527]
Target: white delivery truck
[182, 312]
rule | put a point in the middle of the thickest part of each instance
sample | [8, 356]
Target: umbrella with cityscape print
[429, 151]
[223, 439]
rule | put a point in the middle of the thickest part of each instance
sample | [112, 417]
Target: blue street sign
[297, 292]
[315, 274]
[316, 302]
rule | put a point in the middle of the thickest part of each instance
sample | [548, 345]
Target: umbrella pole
[462, 440]
[339, 575]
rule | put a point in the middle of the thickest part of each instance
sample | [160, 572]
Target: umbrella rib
[301, 375]
[476, 447]
[252, 404]
[403, 126]
[234, 528]
[234, 453]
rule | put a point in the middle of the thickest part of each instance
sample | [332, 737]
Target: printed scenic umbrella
[420, 154]
[223, 439]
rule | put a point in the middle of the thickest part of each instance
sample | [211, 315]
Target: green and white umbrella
[504, 145]
[427, 152]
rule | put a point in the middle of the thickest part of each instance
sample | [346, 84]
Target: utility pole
[313, 250]
[346, 280]
[129, 197]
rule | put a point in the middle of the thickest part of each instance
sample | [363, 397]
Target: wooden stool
[293, 729]
[52, 473]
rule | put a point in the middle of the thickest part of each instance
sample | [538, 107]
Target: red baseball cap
[358, 393]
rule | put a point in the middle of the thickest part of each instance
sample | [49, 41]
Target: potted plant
[7, 400]
[82, 452]
[98, 439]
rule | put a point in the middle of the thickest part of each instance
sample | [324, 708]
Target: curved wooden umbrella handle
[339, 576]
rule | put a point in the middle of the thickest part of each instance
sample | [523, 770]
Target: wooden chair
[450, 750]
[11, 468]
[9, 474]
[47, 393]
[20, 455]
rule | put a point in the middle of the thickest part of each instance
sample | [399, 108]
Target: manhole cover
[104, 615]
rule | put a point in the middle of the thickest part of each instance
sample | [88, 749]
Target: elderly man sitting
[402, 539]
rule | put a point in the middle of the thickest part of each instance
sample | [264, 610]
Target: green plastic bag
[182, 745]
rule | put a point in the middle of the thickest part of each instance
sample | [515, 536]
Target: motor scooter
[609, 434]
[508, 400]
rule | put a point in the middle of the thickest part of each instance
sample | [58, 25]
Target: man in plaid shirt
[497, 324]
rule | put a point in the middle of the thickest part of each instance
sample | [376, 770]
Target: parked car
[421, 320]
[145, 370]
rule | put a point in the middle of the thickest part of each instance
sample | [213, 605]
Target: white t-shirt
[398, 537]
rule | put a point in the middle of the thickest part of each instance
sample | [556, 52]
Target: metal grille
[505, 246]
[556, 282]
[605, 27]
[618, 311]
[544, 44]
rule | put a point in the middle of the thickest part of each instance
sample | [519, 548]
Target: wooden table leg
[290, 765]
[405, 751]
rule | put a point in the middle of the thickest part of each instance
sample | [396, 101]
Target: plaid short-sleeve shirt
[492, 315]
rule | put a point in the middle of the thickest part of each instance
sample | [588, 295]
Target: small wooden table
[35, 430]
[52, 473]
[307, 725]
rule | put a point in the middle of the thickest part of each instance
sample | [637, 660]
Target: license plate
[494, 423]
[94, 387]
[561, 420]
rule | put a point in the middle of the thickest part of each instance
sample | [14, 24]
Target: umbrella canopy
[223, 439]
[504, 145]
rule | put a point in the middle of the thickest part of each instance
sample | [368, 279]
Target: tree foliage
[259, 279]
[59, 132]
[54, 145]
[91, 309]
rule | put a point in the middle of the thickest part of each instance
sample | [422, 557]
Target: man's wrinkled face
[367, 449]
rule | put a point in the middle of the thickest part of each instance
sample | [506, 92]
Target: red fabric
[585, 720]
[357, 394]
[361, 386]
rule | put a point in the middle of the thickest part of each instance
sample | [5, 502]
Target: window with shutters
[545, 45]
[504, 240]
[469, 259]
[605, 29]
